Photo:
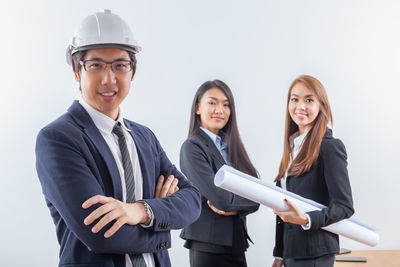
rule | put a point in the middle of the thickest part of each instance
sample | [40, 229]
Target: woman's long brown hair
[311, 146]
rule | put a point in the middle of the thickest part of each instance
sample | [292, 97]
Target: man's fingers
[94, 200]
[166, 186]
[97, 213]
[172, 187]
[115, 214]
[118, 224]
[176, 189]
[159, 186]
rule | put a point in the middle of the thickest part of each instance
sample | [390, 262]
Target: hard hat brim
[133, 49]
[72, 50]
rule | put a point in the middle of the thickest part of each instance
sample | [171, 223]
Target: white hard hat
[102, 29]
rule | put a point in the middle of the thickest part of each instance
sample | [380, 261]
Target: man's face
[105, 90]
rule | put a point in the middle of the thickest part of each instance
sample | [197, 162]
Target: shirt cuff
[308, 225]
[150, 213]
[278, 258]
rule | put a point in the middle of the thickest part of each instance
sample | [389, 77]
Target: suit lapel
[212, 148]
[84, 120]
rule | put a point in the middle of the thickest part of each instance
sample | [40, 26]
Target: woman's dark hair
[236, 152]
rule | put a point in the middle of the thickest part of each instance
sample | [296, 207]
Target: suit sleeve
[68, 178]
[334, 159]
[197, 167]
[181, 208]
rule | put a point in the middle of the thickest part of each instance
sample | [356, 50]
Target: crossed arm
[124, 213]
[71, 177]
[197, 167]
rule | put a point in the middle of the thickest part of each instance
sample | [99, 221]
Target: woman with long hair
[219, 237]
[314, 166]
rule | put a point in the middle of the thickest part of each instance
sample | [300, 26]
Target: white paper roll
[272, 196]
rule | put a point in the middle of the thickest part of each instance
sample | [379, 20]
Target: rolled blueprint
[273, 196]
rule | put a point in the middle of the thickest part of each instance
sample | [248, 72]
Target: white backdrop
[257, 48]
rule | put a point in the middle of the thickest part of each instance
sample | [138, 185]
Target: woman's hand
[221, 212]
[277, 263]
[293, 215]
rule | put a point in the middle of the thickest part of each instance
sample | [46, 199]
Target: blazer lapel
[84, 120]
[212, 148]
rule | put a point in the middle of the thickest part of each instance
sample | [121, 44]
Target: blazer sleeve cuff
[308, 225]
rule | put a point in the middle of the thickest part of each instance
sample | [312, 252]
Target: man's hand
[124, 213]
[277, 263]
[221, 212]
[293, 215]
[168, 188]
[113, 209]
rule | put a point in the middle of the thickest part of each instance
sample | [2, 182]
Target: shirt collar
[217, 139]
[104, 123]
[296, 139]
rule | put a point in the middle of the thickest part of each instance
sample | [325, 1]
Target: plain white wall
[257, 48]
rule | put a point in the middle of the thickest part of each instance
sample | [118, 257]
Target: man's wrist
[148, 214]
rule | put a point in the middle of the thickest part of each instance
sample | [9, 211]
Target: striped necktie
[137, 259]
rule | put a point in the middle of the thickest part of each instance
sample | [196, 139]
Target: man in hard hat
[112, 192]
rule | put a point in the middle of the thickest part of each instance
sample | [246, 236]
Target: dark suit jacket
[327, 183]
[199, 161]
[74, 163]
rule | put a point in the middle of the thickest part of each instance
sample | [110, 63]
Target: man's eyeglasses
[117, 66]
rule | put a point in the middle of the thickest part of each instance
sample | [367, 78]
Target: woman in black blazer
[313, 165]
[219, 237]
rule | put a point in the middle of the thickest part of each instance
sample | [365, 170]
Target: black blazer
[199, 161]
[327, 182]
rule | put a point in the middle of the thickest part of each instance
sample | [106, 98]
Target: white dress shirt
[296, 142]
[105, 125]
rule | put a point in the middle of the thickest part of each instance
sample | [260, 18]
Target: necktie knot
[117, 130]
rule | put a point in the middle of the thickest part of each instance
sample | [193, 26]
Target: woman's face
[303, 107]
[214, 110]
